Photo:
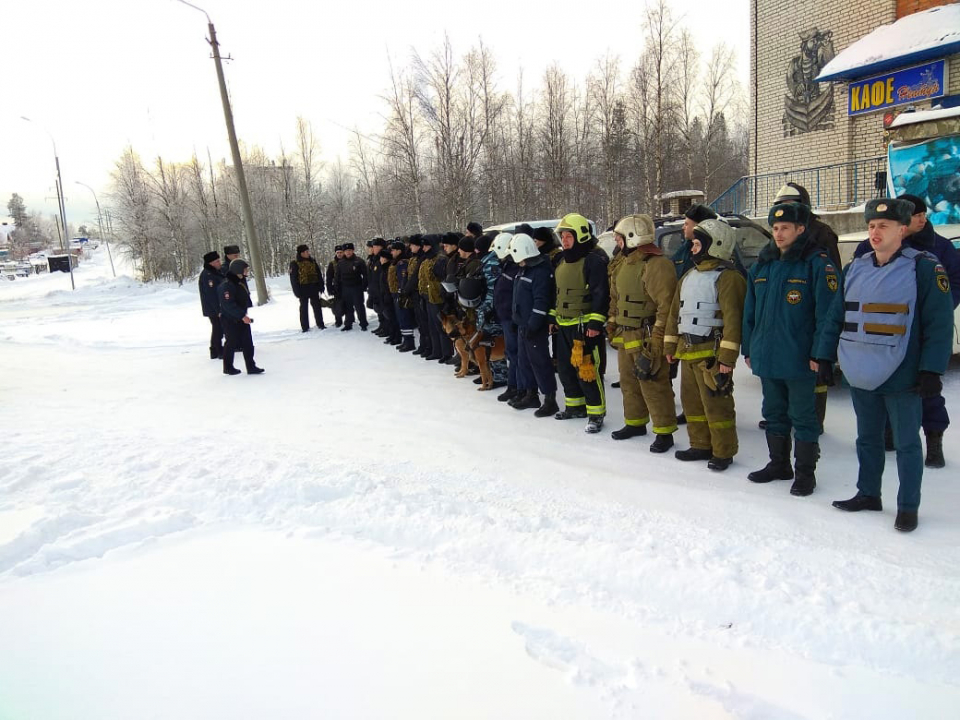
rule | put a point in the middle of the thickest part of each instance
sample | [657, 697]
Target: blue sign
[902, 87]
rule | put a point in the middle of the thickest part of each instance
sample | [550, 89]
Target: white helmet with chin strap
[723, 238]
[636, 230]
[501, 245]
[523, 247]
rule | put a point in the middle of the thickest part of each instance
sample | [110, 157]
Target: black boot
[254, 370]
[906, 520]
[719, 464]
[594, 424]
[406, 345]
[529, 400]
[629, 431]
[859, 502]
[806, 454]
[934, 450]
[821, 403]
[230, 371]
[693, 454]
[662, 443]
[779, 466]
[615, 384]
[682, 419]
[549, 406]
[215, 354]
[571, 413]
[509, 394]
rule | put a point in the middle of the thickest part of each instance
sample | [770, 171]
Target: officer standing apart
[332, 288]
[703, 332]
[210, 278]
[579, 315]
[894, 328]
[641, 293]
[351, 274]
[921, 236]
[789, 291]
[234, 303]
[307, 283]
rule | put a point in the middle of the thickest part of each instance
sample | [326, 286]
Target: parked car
[751, 238]
[511, 227]
[849, 242]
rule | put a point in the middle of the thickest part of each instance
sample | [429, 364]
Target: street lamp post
[60, 201]
[100, 223]
[253, 241]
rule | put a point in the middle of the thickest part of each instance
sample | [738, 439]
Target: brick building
[828, 133]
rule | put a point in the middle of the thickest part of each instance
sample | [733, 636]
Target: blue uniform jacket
[788, 300]
[683, 258]
[533, 294]
[927, 240]
[234, 298]
[931, 334]
[209, 280]
[503, 290]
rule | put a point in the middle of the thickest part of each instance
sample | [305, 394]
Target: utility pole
[252, 240]
[100, 223]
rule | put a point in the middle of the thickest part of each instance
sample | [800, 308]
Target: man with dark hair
[695, 214]
[307, 283]
[351, 274]
[332, 288]
[234, 303]
[921, 236]
[210, 278]
[892, 333]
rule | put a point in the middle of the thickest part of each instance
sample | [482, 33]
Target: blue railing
[831, 187]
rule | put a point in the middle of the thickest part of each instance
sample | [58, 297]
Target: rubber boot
[529, 400]
[549, 406]
[662, 443]
[806, 454]
[407, 344]
[509, 394]
[629, 431]
[779, 466]
[934, 450]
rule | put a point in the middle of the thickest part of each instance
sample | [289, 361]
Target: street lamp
[63, 209]
[100, 223]
[253, 242]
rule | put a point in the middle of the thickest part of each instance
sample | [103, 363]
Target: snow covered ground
[357, 534]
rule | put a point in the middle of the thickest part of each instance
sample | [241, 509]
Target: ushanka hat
[790, 212]
[889, 209]
[211, 256]
[301, 248]
[698, 213]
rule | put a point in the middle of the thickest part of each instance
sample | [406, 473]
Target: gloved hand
[724, 384]
[825, 373]
[674, 370]
[643, 368]
[929, 384]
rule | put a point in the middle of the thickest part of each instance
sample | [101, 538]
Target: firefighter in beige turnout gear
[703, 332]
[641, 293]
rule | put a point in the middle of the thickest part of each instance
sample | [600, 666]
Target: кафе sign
[911, 85]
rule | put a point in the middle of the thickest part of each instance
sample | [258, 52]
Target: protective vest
[635, 308]
[879, 305]
[424, 271]
[573, 294]
[307, 272]
[393, 282]
[698, 303]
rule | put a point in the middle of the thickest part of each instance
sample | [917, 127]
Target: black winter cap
[347, 246]
[451, 238]
[397, 245]
[524, 228]
[211, 256]
[543, 234]
[378, 242]
[919, 205]
[431, 240]
[899, 210]
[338, 248]
[475, 229]
[231, 249]
[698, 213]
[369, 243]
[301, 248]
[467, 244]
[483, 244]
[791, 212]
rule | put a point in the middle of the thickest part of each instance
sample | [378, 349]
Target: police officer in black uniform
[234, 303]
[210, 278]
[306, 279]
[351, 278]
[332, 287]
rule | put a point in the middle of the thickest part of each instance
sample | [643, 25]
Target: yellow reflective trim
[820, 389]
[596, 410]
[727, 345]
[564, 322]
[617, 340]
[665, 430]
[671, 339]
[575, 402]
[595, 316]
[696, 418]
[698, 355]
[722, 424]
[637, 423]
[632, 344]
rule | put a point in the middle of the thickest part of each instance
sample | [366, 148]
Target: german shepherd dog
[473, 347]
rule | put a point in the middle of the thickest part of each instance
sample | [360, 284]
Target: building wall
[777, 146]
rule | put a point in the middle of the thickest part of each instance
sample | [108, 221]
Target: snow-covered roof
[922, 36]
[680, 193]
[909, 118]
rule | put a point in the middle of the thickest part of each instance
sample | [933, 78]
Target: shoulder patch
[940, 269]
[794, 297]
[943, 283]
[832, 282]
[226, 295]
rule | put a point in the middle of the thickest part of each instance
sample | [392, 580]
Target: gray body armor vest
[879, 305]
[698, 303]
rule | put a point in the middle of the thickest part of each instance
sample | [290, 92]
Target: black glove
[825, 373]
[929, 384]
[724, 385]
[674, 370]
[642, 370]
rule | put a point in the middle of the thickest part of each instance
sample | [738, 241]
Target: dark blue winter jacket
[210, 279]
[234, 298]
[503, 290]
[929, 241]
[533, 294]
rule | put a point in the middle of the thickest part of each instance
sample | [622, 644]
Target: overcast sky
[102, 74]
